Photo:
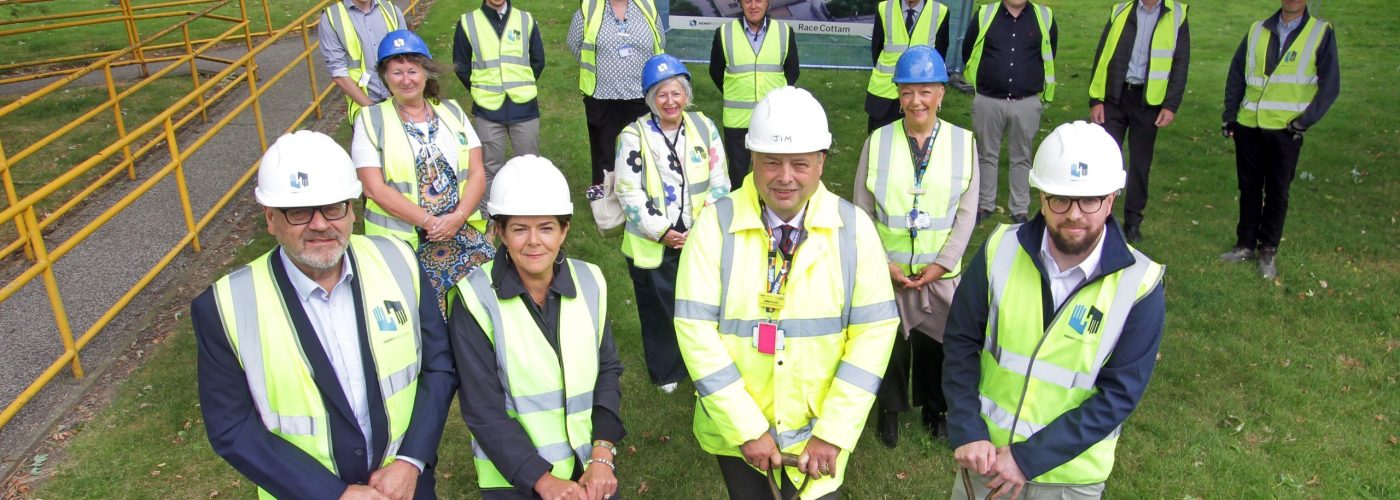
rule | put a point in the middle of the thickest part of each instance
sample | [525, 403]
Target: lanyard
[779, 264]
[682, 191]
[921, 157]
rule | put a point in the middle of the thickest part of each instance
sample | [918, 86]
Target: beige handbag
[607, 209]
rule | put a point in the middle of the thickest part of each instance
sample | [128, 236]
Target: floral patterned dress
[446, 262]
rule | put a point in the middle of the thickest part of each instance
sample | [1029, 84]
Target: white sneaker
[669, 388]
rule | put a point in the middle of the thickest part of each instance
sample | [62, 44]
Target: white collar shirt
[1064, 282]
[774, 222]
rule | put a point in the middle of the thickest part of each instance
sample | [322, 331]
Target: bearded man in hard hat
[1053, 333]
[324, 364]
[784, 313]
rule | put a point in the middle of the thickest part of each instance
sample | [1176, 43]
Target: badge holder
[768, 338]
[917, 220]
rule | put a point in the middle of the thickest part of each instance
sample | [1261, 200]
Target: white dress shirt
[1064, 282]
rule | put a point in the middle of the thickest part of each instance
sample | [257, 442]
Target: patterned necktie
[785, 239]
[909, 20]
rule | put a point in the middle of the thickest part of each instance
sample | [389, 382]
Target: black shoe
[936, 424]
[1020, 219]
[960, 84]
[1132, 234]
[983, 215]
[887, 428]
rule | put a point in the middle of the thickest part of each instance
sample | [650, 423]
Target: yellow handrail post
[194, 74]
[180, 182]
[13, 199]
[133, 36]
[310, 69]
[60, 315]
[267, 14]
[251, 71]
[121, 122]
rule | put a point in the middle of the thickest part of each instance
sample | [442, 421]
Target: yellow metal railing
[165, 126]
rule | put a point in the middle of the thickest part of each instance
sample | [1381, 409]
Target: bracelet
[598, 443]
[426, 216]
[603, 461]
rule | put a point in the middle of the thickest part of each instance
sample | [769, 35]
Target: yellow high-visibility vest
[397, 161]
[550, 396]
[890, 179]
[1032, 374]
[593, 15]
[1271, 101]
[263, 337]
[898, 39]
[1043, 17]
[749, 76]
[339, 18]
[500, 64]
[1159, 66]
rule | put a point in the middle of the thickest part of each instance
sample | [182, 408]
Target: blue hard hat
[920, 64]
[402, 42]
[661, 67]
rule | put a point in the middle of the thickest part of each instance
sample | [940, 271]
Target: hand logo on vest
[1085, 320]
[390, 315]
[513, 35]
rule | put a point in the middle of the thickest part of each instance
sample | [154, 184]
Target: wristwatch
[598, 443]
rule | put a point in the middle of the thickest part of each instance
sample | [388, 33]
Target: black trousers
[1265, 161]
[738, 155]
[1132, 118]
[921, 357]
[880, 111]
[656, 308]
[606, 118]
[747, 483]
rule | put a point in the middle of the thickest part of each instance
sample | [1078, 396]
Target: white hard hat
[305, 169]
[1078, 159]
[529, 185]
[788, 120]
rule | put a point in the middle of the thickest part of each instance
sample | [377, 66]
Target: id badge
[918, 220]
[771, 301]
[916, 191]
[767, 338]
[624, 51]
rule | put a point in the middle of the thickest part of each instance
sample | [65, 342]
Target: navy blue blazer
[237, 434]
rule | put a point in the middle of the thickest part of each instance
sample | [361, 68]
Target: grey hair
[685, 87]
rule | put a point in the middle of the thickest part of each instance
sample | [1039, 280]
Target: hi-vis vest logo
[1080, 169]
[300, 180]
[1086, 320]
[1290, 56]
[513, 35]
[390, 315]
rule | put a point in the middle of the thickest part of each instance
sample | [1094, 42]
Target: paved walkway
[106, 265]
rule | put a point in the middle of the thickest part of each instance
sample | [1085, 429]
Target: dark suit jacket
[1118, 64]
[237, 434]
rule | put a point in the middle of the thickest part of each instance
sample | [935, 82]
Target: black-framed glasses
[298, 216]
[1087, 204]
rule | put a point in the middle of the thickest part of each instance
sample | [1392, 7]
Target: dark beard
[1068, 247]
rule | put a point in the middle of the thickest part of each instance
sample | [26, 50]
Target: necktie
[785, 243]
[909, 20]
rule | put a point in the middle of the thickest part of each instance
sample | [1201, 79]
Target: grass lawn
[1263, 389]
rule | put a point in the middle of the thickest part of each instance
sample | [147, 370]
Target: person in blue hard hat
[915, 178]
[420, 162]
[670, 165]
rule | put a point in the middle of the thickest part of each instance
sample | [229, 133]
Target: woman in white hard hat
[535, 354]
[913, 179]
[420, 162]
[670, 165]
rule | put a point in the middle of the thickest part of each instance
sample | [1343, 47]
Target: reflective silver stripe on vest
[578, 403]
[387, 221]
[846, 241]
[859, 377]
[399, 380]
[486, 295]
[535, 403]
[911, 258]
[1047, 55]
[718, 380]
[882, 180]
[731, 68]
[590, 291]
[891, 15]
[551, 453]
[698, 311]
[245, 317]
[1045, 371]
[404, 272]
[871, 313]
[794, 436]
[1276, 106]
[393, 449]
[725, 210]
[1158, 75]
[469, 23]
[1005, 256]
[333, 16]
[792, 327]
[1129, 282]
[1024, 429]
[739, 104]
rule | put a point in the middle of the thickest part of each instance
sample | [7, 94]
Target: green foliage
[1283, 389]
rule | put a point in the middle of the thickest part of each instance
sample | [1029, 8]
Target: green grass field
[1263, 389]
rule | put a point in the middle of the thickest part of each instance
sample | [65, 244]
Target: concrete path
[105, 266]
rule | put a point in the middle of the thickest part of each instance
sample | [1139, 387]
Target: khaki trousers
[1017, 122]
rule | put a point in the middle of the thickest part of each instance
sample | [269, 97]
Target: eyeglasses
[298, 216]
[1087, 204]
